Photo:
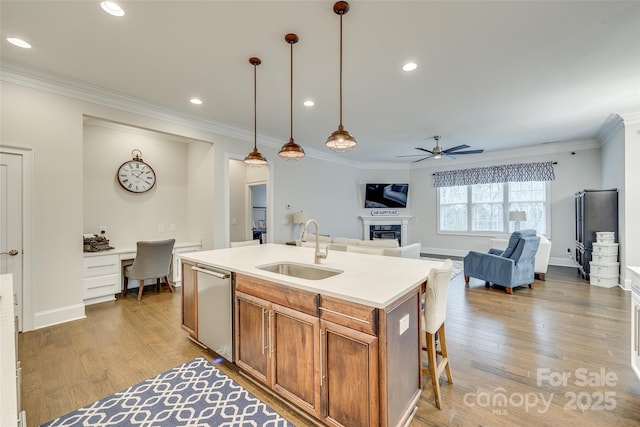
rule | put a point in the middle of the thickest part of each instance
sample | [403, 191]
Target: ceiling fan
[437, 152]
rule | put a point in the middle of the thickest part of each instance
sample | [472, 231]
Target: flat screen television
[386, 195]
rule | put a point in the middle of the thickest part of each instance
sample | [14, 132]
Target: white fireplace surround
[402, 220]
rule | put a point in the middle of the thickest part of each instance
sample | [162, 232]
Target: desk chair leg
[140, 289]
[158, 284]
[166, 280]
[126, 286]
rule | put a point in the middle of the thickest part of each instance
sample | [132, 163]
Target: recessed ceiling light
[196, 101]
[309, 103]
[409, 66]
[112, 8]
[19, 42]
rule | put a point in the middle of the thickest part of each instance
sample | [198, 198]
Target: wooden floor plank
[496, 342]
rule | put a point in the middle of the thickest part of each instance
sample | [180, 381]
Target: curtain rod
[553, 163]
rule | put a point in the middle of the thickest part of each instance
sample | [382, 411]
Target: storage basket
[605, 282]
[605, 270]
[605, 248]
[603, 259]
[605, 236]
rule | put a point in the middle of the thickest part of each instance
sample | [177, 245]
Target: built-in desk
[102, 271]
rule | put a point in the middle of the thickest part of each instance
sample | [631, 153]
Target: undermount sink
[302, 271]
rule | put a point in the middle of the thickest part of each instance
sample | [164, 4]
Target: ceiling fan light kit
[291, 150]
[255, 158]
[341, 140]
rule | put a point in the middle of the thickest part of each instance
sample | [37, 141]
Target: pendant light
[254, 158]
[341, 140]
[291, 150]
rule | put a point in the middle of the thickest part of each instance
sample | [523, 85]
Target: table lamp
[517, 217]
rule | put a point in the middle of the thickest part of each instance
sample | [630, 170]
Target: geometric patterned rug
[193, 394]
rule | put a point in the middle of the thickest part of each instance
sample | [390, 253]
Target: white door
[11, 255]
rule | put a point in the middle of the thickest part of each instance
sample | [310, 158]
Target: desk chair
[244, 243]
[153, 260]
[433, 316]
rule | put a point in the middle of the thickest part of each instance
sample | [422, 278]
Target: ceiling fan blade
[469, 152]
[411, 155]
[424, 149]
[424, 158]
[459, 147]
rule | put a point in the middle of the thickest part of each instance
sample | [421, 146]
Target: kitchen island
[345, 349]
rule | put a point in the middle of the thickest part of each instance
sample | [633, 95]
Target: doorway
[15, 227]
[248, 202]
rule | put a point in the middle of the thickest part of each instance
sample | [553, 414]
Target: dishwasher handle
[218, 274]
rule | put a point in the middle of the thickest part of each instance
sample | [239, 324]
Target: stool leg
[433, 369]
[443, 351]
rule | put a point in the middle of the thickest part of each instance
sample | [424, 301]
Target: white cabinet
[176, 271]
[101, 278]
[11, 413]
[635, 319]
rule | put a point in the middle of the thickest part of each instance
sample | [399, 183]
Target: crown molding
[630, 117]
[610, 127]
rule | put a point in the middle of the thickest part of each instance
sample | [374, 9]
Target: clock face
[136, 176]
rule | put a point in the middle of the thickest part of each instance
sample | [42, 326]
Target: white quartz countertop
[374, 280]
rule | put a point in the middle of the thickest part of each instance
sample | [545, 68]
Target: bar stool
[433, 315]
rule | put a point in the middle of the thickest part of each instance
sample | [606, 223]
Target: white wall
[52, 126]
[325, 191]
[573, 173]
[128, 216]
[237, 203]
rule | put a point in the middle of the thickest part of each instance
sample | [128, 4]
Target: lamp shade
[517, 216]
[299, 217]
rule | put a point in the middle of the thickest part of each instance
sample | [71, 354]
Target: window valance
[537, 171]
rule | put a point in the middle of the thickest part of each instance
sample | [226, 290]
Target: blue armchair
[509, 268]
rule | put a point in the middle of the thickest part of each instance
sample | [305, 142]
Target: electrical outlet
[404, 323]
[102, 230]
[160, 228]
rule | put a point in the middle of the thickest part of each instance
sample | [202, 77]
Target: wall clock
[135, 175]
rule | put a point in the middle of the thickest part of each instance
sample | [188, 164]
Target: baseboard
[46, 318]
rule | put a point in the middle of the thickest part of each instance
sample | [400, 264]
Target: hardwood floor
[510, 346]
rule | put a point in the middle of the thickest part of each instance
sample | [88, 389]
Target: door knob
[12, 252]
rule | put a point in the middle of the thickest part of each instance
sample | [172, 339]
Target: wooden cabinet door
[252, 336]
[295, 354]
[349, 376]
[189, 299]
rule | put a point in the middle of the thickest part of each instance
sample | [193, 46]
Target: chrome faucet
[318, 255]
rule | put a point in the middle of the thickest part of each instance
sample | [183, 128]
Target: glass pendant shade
[291, 150]
[341, 140]
[255, 158]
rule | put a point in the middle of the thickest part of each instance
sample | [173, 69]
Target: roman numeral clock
[135, 175]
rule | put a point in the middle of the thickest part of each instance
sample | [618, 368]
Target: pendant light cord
[291, 87]
[340, 70]
[255, 108]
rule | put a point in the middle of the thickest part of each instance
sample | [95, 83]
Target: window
[484, 208]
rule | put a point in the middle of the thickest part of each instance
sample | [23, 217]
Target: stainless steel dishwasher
[215, 310]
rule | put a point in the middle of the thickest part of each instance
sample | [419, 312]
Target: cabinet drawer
[296, 299]
[101, 286]
[101, 265]
[350, 314]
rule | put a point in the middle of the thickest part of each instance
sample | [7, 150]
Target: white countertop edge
[123, 248]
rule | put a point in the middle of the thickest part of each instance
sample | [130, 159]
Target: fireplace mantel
[402, 220]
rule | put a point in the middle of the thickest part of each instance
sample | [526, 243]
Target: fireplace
[393, 231]
[386, 227]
